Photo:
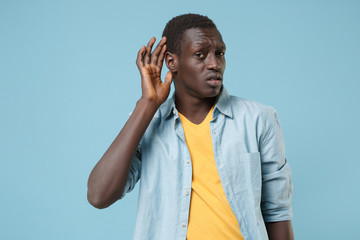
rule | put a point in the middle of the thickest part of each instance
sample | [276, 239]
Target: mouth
[214, 80]
[214, 77]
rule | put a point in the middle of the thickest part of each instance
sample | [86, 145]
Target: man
[212, 165]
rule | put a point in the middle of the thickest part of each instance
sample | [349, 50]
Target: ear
[171, 60]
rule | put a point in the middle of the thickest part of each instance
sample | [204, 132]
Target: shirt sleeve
[276, 173]
[134, 173]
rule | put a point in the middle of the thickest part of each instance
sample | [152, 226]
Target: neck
[194, 109]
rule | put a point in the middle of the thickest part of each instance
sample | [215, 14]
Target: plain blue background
[69, 81]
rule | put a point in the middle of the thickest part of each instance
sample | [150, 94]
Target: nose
[213, 62]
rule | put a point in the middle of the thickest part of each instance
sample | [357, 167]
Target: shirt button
[174, 112]
[214, 132]
[186, 193]
[220, 165]
[187, 161]
[183, 224]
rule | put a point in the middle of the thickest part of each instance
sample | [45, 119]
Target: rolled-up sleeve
[276, 173]
[134, 173]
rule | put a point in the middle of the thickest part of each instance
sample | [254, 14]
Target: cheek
[199, 68]
[195, 70]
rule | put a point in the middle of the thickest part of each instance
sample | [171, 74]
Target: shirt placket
[216, 127]
[185, 194]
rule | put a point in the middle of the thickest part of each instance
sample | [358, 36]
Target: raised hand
[108, 178]
[150, 64]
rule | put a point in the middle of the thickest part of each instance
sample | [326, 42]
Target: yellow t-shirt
[211, 216]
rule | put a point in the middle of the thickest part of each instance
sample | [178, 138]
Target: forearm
[108, 178]
[280, 230]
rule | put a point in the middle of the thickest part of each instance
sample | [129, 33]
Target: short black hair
[175, 28]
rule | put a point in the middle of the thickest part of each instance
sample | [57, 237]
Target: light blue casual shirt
[250, 158]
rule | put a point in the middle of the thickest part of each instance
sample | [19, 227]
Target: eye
[200, 55]
[221, 54]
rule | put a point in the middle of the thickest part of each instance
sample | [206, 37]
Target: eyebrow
[206, 44]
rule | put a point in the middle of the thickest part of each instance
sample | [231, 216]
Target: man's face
[200, 64]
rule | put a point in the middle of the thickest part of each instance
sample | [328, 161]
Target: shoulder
[255, 115]
[162, 115]
[243, 106]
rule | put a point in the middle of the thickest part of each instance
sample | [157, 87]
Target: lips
[214, 77]
[214, 80]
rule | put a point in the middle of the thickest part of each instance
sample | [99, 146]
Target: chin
[214, 92]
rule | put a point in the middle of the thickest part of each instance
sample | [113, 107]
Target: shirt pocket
[245, 173]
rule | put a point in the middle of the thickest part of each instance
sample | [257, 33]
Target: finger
[157, 51]
[161, 57]
[146, 58]
[168, 78]
[139, 57]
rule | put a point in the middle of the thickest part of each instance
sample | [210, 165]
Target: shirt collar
[168, 109]
[222, 105]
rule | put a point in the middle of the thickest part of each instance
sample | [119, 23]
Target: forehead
[200, 37]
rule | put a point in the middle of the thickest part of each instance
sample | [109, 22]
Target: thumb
[168, 78]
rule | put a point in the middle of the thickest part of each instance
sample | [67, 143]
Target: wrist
[150, 105]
